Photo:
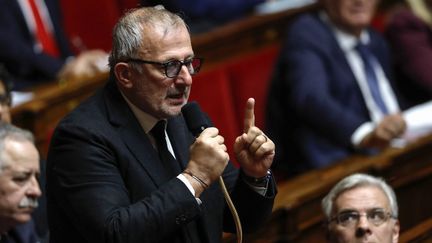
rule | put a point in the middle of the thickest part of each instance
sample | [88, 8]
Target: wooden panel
[421, 233]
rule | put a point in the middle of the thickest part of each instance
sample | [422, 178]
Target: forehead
[20, 155]
[166, 42]
[361, 198]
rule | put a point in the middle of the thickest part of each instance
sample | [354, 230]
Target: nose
[34, 188]
[184, 76]
[362, 226]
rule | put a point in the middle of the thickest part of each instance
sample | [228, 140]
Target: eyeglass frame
[165, 65]
[336, 218]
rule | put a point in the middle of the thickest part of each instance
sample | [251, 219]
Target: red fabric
[89, 24]
[211, 89]
[45, 38]
[250, 77]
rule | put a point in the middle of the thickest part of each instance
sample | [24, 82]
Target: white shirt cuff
[361, 132]
[189, 186]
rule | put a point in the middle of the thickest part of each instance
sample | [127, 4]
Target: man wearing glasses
[124, 167]
[361, 208]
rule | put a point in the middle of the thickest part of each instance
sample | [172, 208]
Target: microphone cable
[196, 122]
[233, 210]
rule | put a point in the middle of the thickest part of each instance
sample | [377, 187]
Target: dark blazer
[23, 233]
[16, 45]
[315, 103]
[105, 182]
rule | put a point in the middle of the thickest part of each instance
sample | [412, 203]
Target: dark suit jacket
[16, 45]
[315, 103]
[106, 184]
[23, 233]
[411, 42]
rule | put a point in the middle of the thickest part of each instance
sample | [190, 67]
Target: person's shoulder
[305, 20]
[87, 114]
[308, 30]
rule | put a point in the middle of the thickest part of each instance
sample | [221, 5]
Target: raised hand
[253, 149]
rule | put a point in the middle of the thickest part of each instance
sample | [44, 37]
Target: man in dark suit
[105, 180]
[321, 106]
[39, 214]
[25, 53]
[19, 188]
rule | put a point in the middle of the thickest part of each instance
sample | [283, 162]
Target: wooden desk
[52, 102]
[297, 215]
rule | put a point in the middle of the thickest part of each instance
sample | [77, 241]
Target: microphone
[196, 120]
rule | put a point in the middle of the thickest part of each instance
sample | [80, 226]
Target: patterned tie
[170, 164]
[45, 38]
[371, 77]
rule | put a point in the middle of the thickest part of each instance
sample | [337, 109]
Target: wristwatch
[257, 182]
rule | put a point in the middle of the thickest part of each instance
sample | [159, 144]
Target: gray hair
[355, 181]
[9, 131]
[129, 32]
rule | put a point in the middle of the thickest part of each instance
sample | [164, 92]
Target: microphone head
[196, 120]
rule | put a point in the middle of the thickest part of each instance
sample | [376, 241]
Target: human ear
[123, 74]
[396, 227]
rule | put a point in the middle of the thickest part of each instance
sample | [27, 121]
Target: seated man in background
[19, 188]
[331, 93]
[39, 215]
[409, 32]
[34, 47]
[361, 208]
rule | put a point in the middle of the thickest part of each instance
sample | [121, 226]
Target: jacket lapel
[180, 139]
[132, 134]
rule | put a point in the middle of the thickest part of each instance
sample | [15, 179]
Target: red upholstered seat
[89, 24]
[211, 89]
[250, 77]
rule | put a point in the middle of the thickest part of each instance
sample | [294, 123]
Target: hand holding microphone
[208, 155]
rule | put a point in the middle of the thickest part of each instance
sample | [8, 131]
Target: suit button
[180, 219]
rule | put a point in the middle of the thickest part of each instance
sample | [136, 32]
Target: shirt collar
[146, 120]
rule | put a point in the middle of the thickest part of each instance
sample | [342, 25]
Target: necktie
[189, 231]
[371, 77]
[170, 164]
[46, 39]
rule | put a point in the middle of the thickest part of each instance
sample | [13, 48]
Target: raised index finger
[249, 120]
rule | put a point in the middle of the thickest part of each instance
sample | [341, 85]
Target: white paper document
[419, 123]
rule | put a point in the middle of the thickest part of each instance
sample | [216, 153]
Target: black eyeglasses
[351, 218]
[172, 68]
